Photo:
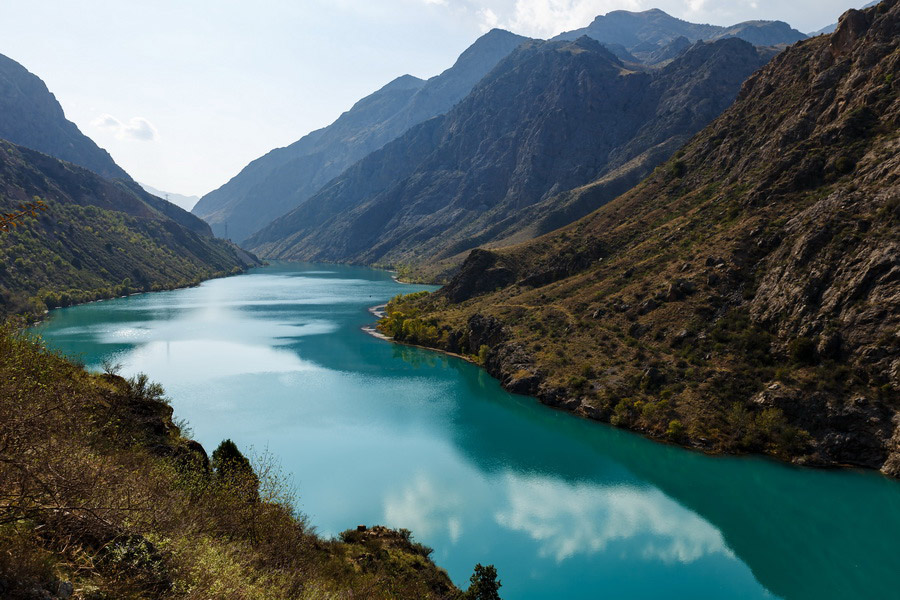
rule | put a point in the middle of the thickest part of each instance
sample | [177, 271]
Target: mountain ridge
[744, 297]
[31, 116]
[644, 33]
[551, 117]
[98, 238]
[284, 178]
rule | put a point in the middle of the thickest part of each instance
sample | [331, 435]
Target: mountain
[645, 33]
[551, 117]
[833, 26]
[30, 116]
[283, 179]
[744, 297]
[179, 200]
[98, 237]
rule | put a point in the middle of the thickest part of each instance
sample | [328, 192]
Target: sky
[185, 93]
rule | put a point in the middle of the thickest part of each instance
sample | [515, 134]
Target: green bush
[483, 584]
[675, 430]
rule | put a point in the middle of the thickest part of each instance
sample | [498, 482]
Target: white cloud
[575, 519]
[137, 128]
[426, 508]
[488, 19]
[546, 18]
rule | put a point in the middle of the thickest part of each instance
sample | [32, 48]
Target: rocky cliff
[746, 296]
[551, 117]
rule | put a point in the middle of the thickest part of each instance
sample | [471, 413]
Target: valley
[612, 312]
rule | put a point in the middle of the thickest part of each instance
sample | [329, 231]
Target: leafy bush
[483, 584]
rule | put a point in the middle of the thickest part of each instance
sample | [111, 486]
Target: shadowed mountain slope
[745, 297]
[284, 178]
[549, 118]
[98, 238]
[30, 116]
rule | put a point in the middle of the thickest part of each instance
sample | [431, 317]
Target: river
[376, 433]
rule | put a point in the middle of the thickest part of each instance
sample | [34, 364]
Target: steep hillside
[645, 33]
[283, 179]
[97, 239]
[549, 118]
[745, 297]
[104, 496]
[30, 116]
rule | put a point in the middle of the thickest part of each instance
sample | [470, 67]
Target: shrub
[483, 351]
[675, 430]
[802, 350]
[483, 584]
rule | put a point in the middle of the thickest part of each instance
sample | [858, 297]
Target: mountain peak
[31, 116]
[404, 82]
[646, 34]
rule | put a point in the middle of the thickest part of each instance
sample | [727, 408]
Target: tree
[483, 585]
[233, 470]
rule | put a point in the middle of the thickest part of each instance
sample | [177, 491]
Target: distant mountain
[284, 178]
[745, 297]
[645, 33]
[833, 26]
[30, 116]
[551, 117]
[184, 202]
[98, 238]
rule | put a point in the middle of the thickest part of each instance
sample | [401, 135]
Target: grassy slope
[99, 488]
[744, 297]
[97, 239]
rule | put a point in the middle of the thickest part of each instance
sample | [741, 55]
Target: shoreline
[47, 312]
[692, 446]
[373, 331]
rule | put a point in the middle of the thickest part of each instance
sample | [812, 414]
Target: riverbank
[379, 312]
[637, 399]
[148, 514]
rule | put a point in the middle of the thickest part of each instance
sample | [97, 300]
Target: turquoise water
[377, 433]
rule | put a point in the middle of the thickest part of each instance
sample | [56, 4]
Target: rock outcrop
[748, 296]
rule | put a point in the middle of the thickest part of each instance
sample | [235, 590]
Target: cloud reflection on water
[563, 519]
[568, 519]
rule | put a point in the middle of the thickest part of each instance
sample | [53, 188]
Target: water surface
[377, 433]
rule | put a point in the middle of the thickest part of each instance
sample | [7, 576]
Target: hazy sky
[184, 93]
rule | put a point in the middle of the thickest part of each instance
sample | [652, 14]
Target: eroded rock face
[750, 285]
[830, 282]
[480, 273]
[512, 159]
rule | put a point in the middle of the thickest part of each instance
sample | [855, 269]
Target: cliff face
[746, 296]
[286, 177]
[30, 116]
[552, 116]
